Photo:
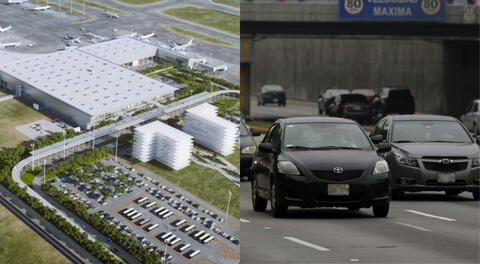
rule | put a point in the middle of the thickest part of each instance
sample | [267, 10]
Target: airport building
[163, 143]
[85, 86]
[210, 130]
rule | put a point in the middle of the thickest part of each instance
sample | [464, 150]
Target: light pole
[228, 205]
[33, 155]
[116, 145]
[64, 146]
[44, 170]
[93, 141]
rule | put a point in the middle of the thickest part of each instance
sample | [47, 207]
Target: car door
[271, 158]
[261, 161]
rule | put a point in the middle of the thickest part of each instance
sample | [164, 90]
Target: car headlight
[409, 161]
[475, 162]
[249, 150]
[381, 167]
[287, 167]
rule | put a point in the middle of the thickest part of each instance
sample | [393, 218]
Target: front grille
[331, 198]
[440, 158]
[331, 176]
[435, 182]
[435, 166]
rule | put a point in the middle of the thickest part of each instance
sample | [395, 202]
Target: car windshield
[400, 93]
[325, 136]
[243, 129]
[364, 92]
[272, 88]
[348, 98]
[429, 131]
[335, 92]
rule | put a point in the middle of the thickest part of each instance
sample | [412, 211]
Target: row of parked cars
[365, 104]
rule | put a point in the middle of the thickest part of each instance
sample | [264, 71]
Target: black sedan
[319, 162]
[429, 153]
[247, 147]
[354, 106]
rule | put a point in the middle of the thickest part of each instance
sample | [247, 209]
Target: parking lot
[180, 223]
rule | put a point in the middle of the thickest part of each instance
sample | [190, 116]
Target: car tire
[277, 210]
[259, 204]
[452, 192]
[476, 195]
[381, 210]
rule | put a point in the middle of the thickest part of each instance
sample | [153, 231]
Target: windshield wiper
[297, 147]
[334, 147]
[404, 141]
[444, 141]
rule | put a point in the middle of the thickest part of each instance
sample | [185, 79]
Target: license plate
[275, 100]
[338, 189]
[357, 107]
[446, 178]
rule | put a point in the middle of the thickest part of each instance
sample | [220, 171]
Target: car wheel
[259, 204]
[278, 210]
[452, 192]
[476, 195]
[381, 210]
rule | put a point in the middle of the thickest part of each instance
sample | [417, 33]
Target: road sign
[392, 10]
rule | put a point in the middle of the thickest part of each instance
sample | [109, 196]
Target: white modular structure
[210, 130]
[163, 143]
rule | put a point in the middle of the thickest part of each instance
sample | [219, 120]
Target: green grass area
[234, 3]
[260, 124]
[205, 183]
[140, 2]
[207, 17]
[65, 8]
[235, 157]
[200, 36]
[28, 176]
[20, 244]
[12, 114]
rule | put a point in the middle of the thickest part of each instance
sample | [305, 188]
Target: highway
[421, 228]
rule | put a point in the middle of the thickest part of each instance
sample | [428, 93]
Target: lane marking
[244, 220]
[432, 216]
[307, 244]
[413, 226]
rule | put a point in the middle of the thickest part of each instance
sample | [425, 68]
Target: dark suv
[429, 153]
[319, 162]
[272, 94]
[354, 106]
[393, 101]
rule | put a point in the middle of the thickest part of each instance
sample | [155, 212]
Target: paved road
[271, 112]
[448, 234]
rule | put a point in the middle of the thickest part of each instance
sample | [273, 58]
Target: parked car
[471, 117]
[369, 93]
[429, 153]
[247, 147]
[393, 100]
[354, 106]
[272, 94]
[327, 98]
[319, 162]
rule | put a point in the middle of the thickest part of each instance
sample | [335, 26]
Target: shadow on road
[328, 213]
[440, 197]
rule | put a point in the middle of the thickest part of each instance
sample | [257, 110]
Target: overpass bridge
[307, 47]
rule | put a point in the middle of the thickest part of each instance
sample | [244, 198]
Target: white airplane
[5, 28]
[41, 8]
[10, 45]
[73, 39]
[10, 2]
[147, 36]
[109, 14]
[94, 36]
[182, 47]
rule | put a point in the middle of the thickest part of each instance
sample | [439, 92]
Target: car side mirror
[255, 133]
[265, 148]
[377, 139]
[384, 147]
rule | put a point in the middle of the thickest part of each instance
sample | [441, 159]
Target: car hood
[329, 159]
[418, 150]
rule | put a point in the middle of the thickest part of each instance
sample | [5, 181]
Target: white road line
[413, 226]
[432, 216]
[307, 244]
[244, 220]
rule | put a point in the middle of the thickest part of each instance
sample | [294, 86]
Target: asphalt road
[422, 228]
[272, 112]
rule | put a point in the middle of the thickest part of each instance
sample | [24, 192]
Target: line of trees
[104, 227]
[213, 79]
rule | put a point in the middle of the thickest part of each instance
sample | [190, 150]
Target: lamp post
[33, 155]
[44, 170]
[93, 141]
[116, 145]
[64, 146]
[228, 204]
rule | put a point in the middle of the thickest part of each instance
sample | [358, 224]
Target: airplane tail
[190, 42]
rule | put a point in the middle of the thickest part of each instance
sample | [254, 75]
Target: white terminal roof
[88, 83]
[7, 57]
[165, 130]
[121, 50]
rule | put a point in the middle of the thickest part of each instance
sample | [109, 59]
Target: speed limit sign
[353, 7]
[431, 7]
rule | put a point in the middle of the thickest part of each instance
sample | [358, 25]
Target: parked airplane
[94, 36]
[109, 14]
[182, 47]
[5, 28]
[41, 8]
[147, 36]
[10, 45]
[73, 39]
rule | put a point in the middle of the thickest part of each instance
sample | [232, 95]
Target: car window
[469, 108]
[475, 107]
[378, 128]
[276, 135]
[385, 130]
[268, 137]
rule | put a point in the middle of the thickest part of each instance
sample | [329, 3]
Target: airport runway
[422, 228]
